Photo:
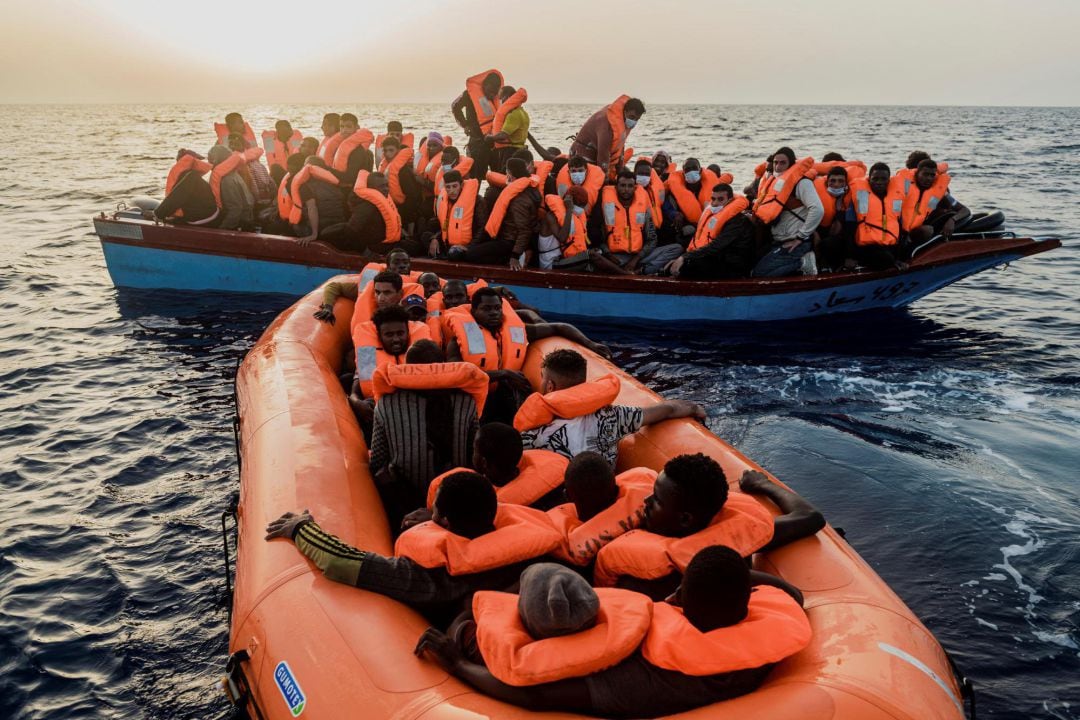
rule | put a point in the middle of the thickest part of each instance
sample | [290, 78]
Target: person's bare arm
[313, 222]
[670, 410]
[453, 351]
[763, 578]
[798, 518]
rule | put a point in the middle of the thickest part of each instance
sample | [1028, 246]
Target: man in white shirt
[792, 249]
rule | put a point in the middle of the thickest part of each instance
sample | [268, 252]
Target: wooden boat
[303, 645]
[144, 254]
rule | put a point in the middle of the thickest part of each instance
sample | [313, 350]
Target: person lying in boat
[189, 199]
[492, 335]
[690, 508]
[426, 416]
[789, 210]
[460, 216]
[570, 415]
[929, 207]
[622, 232]
[723, 245]
[560, 645]
[520, 477]
[511, 227]
[472, 543]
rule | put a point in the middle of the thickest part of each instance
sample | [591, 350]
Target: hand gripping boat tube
[302, 646]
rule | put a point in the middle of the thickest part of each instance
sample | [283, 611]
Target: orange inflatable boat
[303, 646]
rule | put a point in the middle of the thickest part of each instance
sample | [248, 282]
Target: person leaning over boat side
[471, 543]
[929, 207]
[723, 245]
[691, 508]
[474, 110]
[189, 199]
[460, 215]
[255, 175]
[562, 646]
[602, 138]
[511, 227]
[622, 232]
[569, 415]
[791, 229]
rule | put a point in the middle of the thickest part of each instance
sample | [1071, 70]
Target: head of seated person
[235, 122]
[687, 495]
[916, 157]
[308, 146]
[578, 168]
[425, 352]
[392, 327]
[926, 173]
[377, 181]
[236, 142]
[715, 589]
[487, 309]
[452, 183]
[590, 484]
[218, 154]
[316, 161]
[562, 369]
[295, 163]
[516, 168]
[455, 293]
[430, 282]
[524, 154]
[692, 170]
[497, 450]
[390, 148]
[450, 157]
[714, 169]
[832, 157]
[398, 261]
[386, 286]
[416, 306]
[554, 601]
[465, 505]
[394, 128]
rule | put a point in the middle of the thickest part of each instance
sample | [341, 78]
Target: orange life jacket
[484, 109]
[390, 215]
[406, 139]
[392, 171]
[578, 239]
[691, 205]
[539, 472]
[464, 166]
[832, 205]
[594, 181]
[771, 201]
[775, 627]
[278, 152]
[437, 319]
[427, 166]
[879, 220]
[588, 397]
[760, 168]
[369, 353]
[519, 98]
[520, 534]
[328, 147]
[222, 132]
[308, 172]
[365, 308]
[362, 137]
[657, 194]
[284, 198]
[437, 376]
[625, 225]
[918, 204]
[582, 540]
[228, 165]
[369, 271]
[619, 132]
[711, 223]
[183, 165]
[855, 168]
[743, 524]
[908, 174]
[456, 219]
[479, 347]
[539, 174]
[498, 213]
[516, 658]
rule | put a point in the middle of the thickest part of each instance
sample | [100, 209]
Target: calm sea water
[944, 438]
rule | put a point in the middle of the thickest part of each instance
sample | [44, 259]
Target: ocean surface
[944, 438]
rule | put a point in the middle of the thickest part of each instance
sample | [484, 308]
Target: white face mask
[717, 207]
[577, 177]
[643, 180]
[693, 176]
[447, 168]
[630, 123]
[837, 192]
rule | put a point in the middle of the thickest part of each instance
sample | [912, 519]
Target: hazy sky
[963, 52]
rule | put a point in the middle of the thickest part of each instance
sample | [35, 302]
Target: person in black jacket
[731, 254]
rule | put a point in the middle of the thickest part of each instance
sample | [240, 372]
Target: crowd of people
[551, 580]
[596, 208]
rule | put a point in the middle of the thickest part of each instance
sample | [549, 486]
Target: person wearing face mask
[789, 210]
[690, 189]
[723, 244]
[650, 180]
[578, 172]
[602, 139]
[563, 242]
[837, 227]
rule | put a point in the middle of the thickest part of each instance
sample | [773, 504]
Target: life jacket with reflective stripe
[498, 213]
[520, 534]
[483, 108]
[578, 240]
[855, 168]
[918, 204]
[594, 182]
[625, 224]
[392, 171]
[742, 524]
[308, 172]
[369, 271]
[619, 132]
[462, 376]
[427, 166]
[689, 204]
[390, 215]
[711, 223]
[406, 139]
[230, 164]
[464, 166]
[774, 195]
[278, 152]
[369, 353]
[539, 472]
[222, 132]
[516, 658]
[519, 98]
[362, 137]
[540, 175]
[832, 205]
[456, 219]
[185, 164]
[582, 540]
[657, 194]
[284, 198]
[481, 348]
[365, 306]
[328, 148]
[908, 174]
[879, 220]
[437, 319]
[775, 627]
[588, 397]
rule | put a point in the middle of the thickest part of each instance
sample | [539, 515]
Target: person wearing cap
[416, 306]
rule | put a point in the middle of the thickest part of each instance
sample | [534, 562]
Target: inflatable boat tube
[982, 222]
[303, 646]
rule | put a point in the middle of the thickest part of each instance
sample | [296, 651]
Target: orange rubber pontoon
[303, 646]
